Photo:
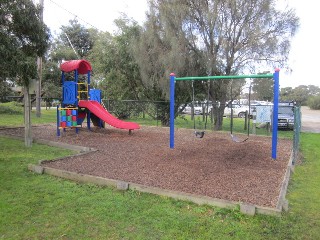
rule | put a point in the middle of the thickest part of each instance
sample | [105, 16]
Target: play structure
[80, 101]
[274, 76]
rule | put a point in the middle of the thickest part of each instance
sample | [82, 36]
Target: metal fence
[123, 109]
[296, 136]
[159, 111]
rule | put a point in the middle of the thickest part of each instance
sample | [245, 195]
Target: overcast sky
[303, 58]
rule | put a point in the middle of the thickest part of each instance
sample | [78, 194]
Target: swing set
[200, 134]
[234, 137]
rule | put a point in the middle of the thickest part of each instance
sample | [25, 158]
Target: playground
[212, 166]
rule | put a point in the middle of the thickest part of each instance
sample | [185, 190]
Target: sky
[305, 47]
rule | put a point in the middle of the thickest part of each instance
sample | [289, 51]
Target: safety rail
[83, 91]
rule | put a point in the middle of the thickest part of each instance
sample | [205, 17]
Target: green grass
[304, 191]
[185, 121]
[44, 207]
[17, 120]
[11, 108]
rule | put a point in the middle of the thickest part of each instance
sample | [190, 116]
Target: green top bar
[224, 77]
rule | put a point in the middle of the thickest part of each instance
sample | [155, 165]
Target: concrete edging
[122, 185]
[283, 203]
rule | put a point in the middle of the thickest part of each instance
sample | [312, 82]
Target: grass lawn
[17, 120]
[50, 116]
[304, 190]
[44, 207]
[186, 122]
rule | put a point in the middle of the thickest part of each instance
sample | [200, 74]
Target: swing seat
[235, 139]
[199, 134]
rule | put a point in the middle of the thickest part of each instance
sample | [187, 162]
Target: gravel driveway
[310, 120]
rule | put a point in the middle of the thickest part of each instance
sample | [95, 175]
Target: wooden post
[246, 121]
[254, 121]
[27, 118]
[39, 63]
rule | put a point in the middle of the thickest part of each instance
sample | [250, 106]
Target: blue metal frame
[58, 121]
[275, 113]
[172, 90]
[88, 113]
[275, 77]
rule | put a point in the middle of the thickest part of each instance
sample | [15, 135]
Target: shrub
[314, 102]
[11, 108]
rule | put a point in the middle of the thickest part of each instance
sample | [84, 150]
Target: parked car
[286, 116]
[238, 110]
[188, 109]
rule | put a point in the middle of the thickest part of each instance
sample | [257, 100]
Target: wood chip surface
[213, 166]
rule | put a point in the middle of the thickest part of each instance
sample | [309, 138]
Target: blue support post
[63, 78]
[88, 87]
[172, 82]
[62, 81]
[77, 87]
[100, 121]
[88, 119]
[76, 79]
[275, 113]
[58, 121]
[77, 115]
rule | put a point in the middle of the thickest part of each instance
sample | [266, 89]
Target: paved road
[310, 120]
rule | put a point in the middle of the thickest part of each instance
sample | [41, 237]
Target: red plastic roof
[83, 66]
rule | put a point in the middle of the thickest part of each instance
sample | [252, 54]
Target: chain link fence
[159, 111]
[296, 136]
[124, 109]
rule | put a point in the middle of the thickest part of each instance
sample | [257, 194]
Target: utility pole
[39, 63]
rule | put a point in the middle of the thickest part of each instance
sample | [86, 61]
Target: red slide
[105, 116]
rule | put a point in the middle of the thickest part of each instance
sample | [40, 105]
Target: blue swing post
[275, 77]
[275, 113]
[172, 82]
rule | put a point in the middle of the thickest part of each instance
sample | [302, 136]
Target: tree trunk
[38, 86]
[217, 111]
[218, 117]
[27, 118]
[39, 63]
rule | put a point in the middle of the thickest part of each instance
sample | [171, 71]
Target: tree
[23, 37]
[59, 52]
[75, 41]
[51, 85]
[5, 90]
[300, 94]
[314, 90]
[112, 56]
[263, 89]
[314, 102]
[286, 94]
[98, 57]
[77, 37]
[213, 38]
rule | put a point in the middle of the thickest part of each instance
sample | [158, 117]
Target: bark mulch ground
[213, 166]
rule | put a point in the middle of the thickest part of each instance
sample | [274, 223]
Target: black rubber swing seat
[235, 139]
[199, 134]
